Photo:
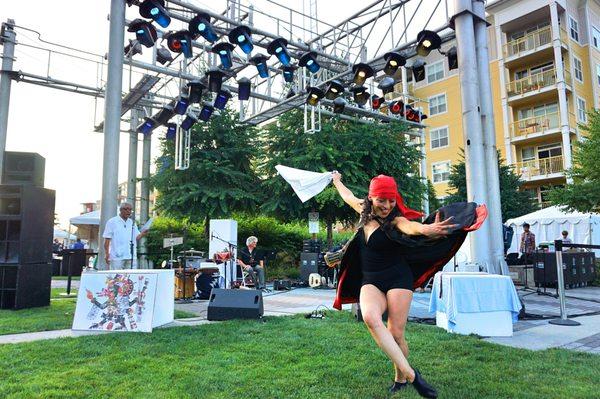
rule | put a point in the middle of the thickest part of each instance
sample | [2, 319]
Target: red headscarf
[383, 186]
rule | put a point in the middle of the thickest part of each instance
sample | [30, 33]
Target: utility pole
[8, 39]
[112, 120]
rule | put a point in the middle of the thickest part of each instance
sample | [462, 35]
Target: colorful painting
[115, 302]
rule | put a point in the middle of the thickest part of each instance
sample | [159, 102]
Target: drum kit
[187, 266]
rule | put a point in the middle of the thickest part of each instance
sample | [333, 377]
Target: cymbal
[192, 252]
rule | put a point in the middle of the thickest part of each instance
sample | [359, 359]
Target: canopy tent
[548, 223]
[63, 235]
[88, 225]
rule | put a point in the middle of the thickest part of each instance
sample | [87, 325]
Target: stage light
[309, 60]
[452, 58]
[414, 115]
[215, 79]
[163, 55]
[396, 107]
[426, 41]
[244, 85]
[288, 73]
[145, 32]
[361, 95]
[260, 61]
[181, 105]
[339, 104]
[393, 62]
[222, 97]
[242, 36]
[171, 131]
[361, 73]
[314, 96]
[278, 47]
[418, 70]
[206, 111]
[189, 121]
[163, 116]
[155, 10]
[194, 92]
[386, 85]
[180, 42]
[200, 25]
[224, 50]
[147, 126]
[134, 47]
[334, 89]
[375, 101]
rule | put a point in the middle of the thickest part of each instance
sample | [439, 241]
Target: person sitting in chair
[249, 260]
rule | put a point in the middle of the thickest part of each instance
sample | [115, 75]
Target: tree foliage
[584, 194]
[358, 151]
[514, 202]
[220, 179]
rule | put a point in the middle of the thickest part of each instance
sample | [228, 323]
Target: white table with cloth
[475, 303]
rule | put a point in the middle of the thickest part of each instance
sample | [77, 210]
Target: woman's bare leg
[398, 302]
[373, 303]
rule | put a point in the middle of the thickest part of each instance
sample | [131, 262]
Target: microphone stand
[230, 247]
[131, 245]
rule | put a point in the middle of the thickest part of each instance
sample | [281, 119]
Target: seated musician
[251, 262]
[205, 282]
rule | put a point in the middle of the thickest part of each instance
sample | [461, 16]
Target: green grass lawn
[284, 357]
[73, 278]
[57, 316]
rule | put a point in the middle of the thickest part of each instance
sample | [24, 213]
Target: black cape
[425, 256]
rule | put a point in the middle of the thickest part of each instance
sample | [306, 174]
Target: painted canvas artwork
[115, 302]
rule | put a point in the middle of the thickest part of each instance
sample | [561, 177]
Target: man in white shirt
[120, 232]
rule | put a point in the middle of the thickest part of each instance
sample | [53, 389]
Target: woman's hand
[336, 176]
[438, 229]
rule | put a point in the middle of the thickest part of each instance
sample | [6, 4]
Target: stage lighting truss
[134, 47]
[182, 148]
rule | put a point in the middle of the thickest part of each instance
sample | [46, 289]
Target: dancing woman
[389, 256]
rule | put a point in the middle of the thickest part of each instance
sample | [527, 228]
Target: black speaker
[23, 168]
[25, 286]
[26, 224]
[282, 285]
[235, 304]
[309, 263]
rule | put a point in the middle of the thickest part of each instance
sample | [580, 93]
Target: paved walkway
[533, 333]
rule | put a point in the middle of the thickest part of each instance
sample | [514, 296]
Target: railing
[540, 167]
[537, 124]
[535, 82]
[531, 41]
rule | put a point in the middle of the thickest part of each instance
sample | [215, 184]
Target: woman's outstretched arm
[347, 195]
[434, 230]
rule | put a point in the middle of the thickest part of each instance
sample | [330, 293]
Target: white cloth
[121, 234]
[306, 184]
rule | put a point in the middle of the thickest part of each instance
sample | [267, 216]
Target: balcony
[534, 126]
[539, 169]
[532, 47]
[537, 83]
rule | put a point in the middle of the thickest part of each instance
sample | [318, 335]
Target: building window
[581, 112]
[596, 37]
[435, 72]
[439, 137]
[437, 104]
[598, 73]
[441, 172]
[574, 29]
[578, 66]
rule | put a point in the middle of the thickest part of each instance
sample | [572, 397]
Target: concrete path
[534, 333]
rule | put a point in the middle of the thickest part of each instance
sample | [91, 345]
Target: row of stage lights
[200, 26]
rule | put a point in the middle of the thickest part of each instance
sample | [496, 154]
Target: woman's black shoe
[422, 387]
[397, 386]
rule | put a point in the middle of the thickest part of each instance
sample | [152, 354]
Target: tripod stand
[230, 248]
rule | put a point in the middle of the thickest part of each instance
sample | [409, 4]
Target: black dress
[383, 263]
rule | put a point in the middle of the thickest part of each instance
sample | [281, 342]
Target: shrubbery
[283, 238]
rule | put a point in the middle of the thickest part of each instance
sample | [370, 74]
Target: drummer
[251, 262]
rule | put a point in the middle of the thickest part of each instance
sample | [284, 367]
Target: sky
[58, 124]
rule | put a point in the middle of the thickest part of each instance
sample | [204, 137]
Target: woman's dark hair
[367, 215]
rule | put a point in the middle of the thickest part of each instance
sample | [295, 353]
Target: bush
[285, 239]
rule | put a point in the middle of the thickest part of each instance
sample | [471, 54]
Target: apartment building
[545, 74]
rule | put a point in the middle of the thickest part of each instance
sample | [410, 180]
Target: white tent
[88, 225]
[90, 218]
[548, 223]
[61, 234]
